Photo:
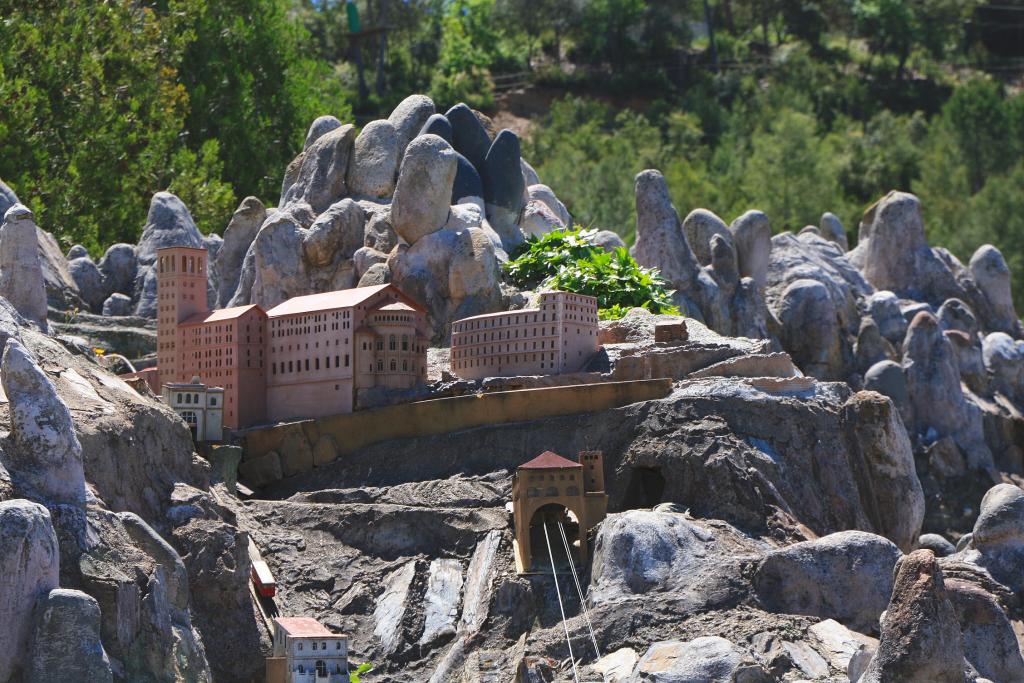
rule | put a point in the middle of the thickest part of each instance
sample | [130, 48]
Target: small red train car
[263, 579]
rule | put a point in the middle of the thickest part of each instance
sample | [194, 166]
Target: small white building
[200, 406]
[306, 652]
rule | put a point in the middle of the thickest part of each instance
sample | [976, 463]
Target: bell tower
[181, 292]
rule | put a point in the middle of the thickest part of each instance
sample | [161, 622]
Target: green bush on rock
[568, 260]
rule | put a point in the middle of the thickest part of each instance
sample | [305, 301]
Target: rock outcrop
[21, 276]
[226, 269]
[66, 643]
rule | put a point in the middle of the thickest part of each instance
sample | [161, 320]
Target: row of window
[501, 360]
[296, 366]
[474, 351]
[189, 264]
[551, 492]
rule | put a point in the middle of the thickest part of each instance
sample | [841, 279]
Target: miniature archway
[551, 514]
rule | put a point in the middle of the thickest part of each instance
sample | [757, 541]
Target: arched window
[179, 398]
[188, 398]
[392, 344]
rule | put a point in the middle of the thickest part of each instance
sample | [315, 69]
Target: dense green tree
[980, 122]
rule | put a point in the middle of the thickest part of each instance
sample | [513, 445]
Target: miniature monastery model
[200, 406]
[306, 357]
[560, 336]
[306, 652]
[549, 487]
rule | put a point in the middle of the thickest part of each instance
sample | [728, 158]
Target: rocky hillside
[830, 492]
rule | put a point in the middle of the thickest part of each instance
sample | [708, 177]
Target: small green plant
[356, 676]
[567, 260]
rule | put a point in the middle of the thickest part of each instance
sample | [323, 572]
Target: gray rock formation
[66, 643]
[846, 576]
[89, 281]
[708, 659]
[990, 644]
[119, 267]
[375, 159]
[538, 219]
[29, 568]
[1004, 362]
[887, 378]
[117, 304]
[168, 224]
[468, 185]
[226, 269]
[997, 542]
[469, 138]
[640, 552]
[608, 240]
[544, 194]
[442, 600]
[832, 229]
[335, 234]
[21, 276]
[409, 117]
[423, 194]
[7, 197]
[752, 237]
[660, 242]
[320, 178]
[884, 309]
[810, 329]
[504, 187]
[77, 251]
[992, 275]
[47, 457]
[699, 226]
[438, 124]
[937, 544]
[391, 607]
[920, 637]
[320, 126]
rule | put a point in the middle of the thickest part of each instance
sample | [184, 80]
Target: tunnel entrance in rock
[552, 514]
[645, 488]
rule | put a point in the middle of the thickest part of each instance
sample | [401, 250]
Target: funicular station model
[549, 491]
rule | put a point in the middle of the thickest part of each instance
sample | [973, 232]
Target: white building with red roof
[305, 651]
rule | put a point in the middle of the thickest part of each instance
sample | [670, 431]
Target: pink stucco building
[559, 336]
[306, 357]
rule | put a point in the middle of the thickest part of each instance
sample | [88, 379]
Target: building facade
[551, 489]
[200, 406]
[307, 357]
[305, 651]
[559, 336]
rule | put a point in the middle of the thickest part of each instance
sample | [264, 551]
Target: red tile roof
[303, 626]
[327, 301]
[220, 315]
[548, 460]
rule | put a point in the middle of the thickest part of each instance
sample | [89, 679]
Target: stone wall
[271, 453]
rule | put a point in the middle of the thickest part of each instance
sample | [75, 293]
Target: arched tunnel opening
[645, 488]
[551, 515]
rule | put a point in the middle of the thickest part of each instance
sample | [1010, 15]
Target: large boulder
[990, 644]
[640, 552]
[884, 309]
[468, 186]
[117, 304]
[29, 570]
[374, 160]
[545, 195]
[168, 224]
[21, 275]
[279, 269]
[992, 275]
[226, 269]
[61, 292]
[846, 576]
[47, 457]
[884, 467]
[708, 659]
[7, 197]
[89, 281]
[660, 242]
[335, 235]
[893, 253]
[920, 637]
[408, 118]
[119, 266]
[438, 124]
[423, 194]
[699, 226]
[997, 543]
[66, 643]
[886, 377]
[320, 179]
[832, 229]
[810, 329]
[752, 236]
[1004, 362]
[469, 137]
[320, 126]
[504, 187]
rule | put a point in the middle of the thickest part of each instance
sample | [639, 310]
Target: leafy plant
[567, 260]
[356, 676]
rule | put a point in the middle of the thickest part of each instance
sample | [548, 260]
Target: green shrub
[567, 260]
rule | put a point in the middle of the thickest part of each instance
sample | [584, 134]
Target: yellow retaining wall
[353, 431]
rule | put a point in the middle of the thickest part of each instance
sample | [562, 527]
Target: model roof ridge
[397, 306]
[305, 626]
[549, 460]
[339, 298]
[220, 314]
